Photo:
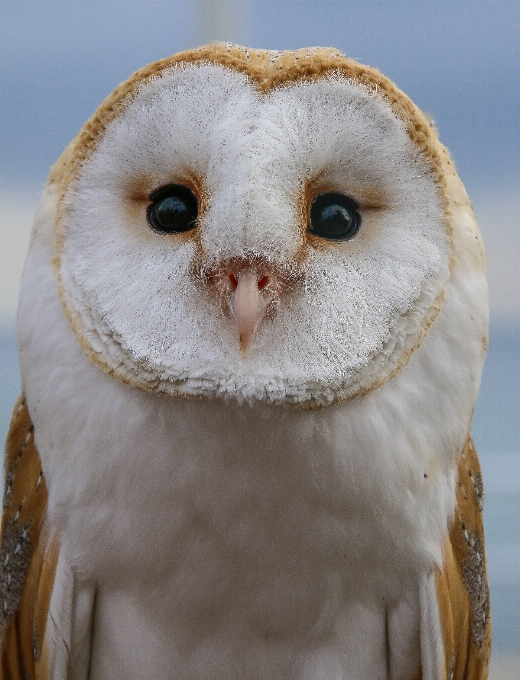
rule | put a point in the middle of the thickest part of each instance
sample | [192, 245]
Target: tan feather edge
[268, 70]
[29, 555]
[462, 584]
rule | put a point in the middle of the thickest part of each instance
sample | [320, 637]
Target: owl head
[259, 226]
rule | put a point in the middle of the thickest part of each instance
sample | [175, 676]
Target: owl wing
[29, 555]
[462, 586]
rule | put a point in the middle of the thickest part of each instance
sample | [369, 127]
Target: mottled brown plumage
[462, 587]
[28, 554]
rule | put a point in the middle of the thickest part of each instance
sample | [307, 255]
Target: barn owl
[251, 329]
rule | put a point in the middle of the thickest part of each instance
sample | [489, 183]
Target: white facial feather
[351, 311]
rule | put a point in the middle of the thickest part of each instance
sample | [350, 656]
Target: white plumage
[285, 520]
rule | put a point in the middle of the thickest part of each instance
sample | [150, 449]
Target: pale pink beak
[248, 305]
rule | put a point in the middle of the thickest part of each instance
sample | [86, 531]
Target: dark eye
[173, 209]
[334, 217]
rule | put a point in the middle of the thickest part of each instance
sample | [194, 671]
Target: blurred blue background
[459, 60]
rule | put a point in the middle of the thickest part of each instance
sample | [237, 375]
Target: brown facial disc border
[266, 70]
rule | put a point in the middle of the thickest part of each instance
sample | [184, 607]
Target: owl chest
[236, 500]
[219, 536]
[227, 534]
[250, 574]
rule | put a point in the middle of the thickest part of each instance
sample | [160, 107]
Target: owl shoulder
[28, 554]
[462, 584]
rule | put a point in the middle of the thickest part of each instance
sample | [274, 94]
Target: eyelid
[366, 198]
[168, 189]
[372, 206]
[370, 200]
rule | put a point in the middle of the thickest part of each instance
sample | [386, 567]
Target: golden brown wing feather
[462, 586]
[28, 555]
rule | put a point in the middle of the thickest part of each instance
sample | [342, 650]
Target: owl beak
[247, 305]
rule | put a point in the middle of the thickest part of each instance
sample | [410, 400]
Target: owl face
[224, 231]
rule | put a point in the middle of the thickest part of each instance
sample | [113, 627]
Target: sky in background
[459, 60]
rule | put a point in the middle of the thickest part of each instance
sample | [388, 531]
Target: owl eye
[334, 217]
[173, 209]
